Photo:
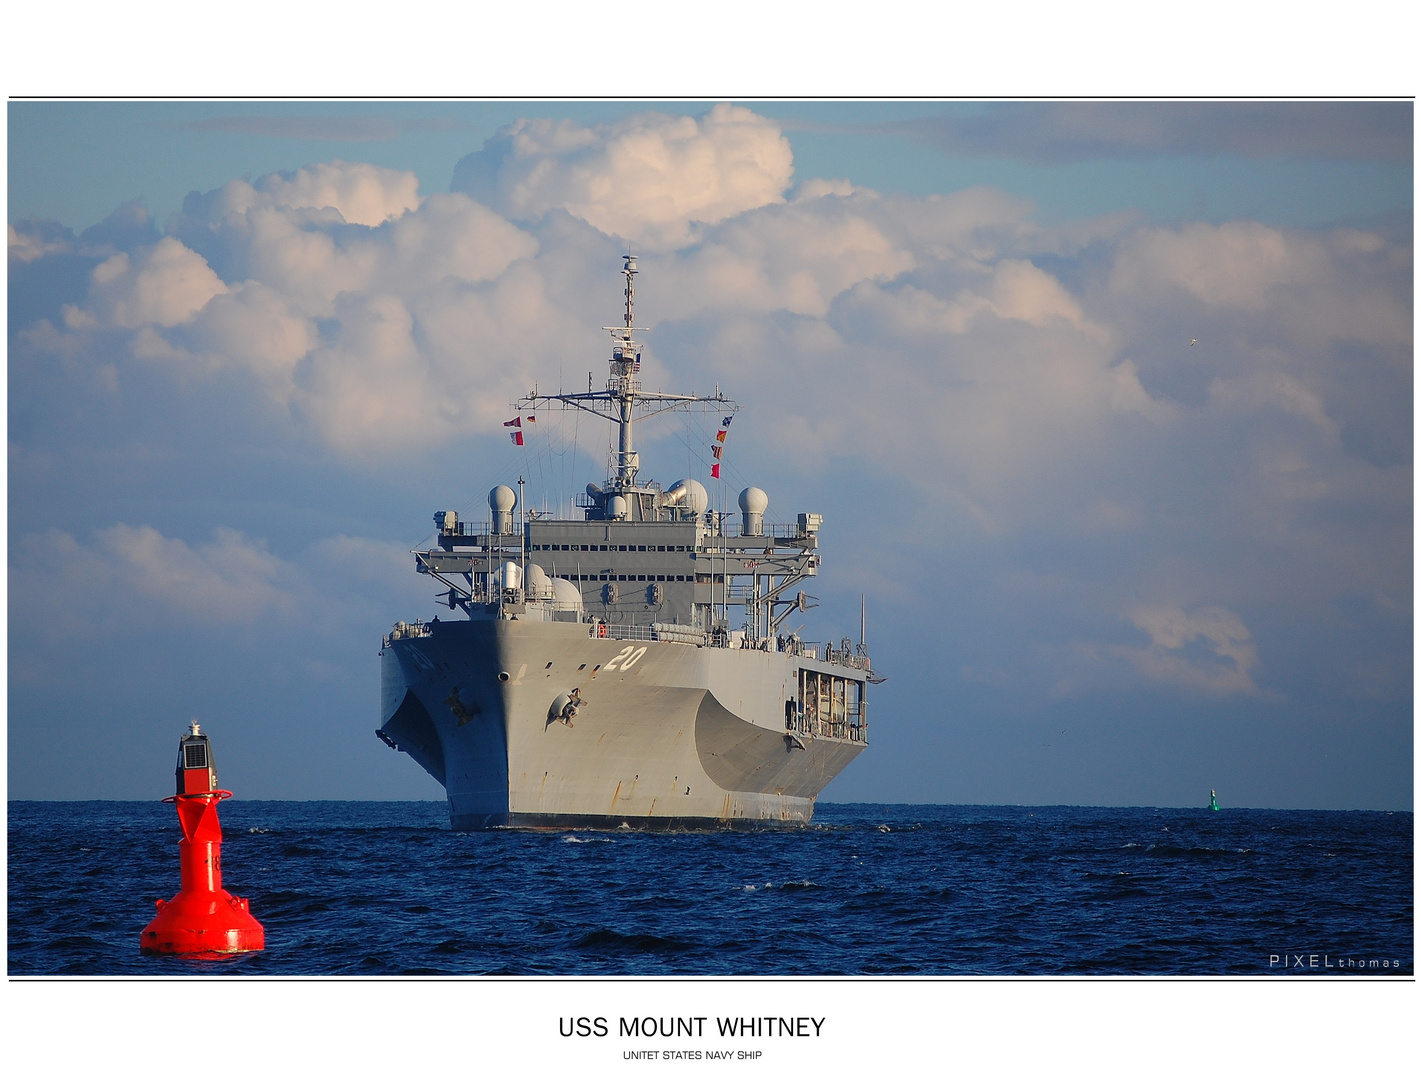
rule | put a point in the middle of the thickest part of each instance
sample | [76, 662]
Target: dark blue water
[367, 888]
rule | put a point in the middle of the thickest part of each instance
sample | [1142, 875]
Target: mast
[624, 385]
[623, 401]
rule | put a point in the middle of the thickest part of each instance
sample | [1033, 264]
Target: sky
[1107, 407]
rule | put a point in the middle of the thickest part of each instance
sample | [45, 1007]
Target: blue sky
[255, 345]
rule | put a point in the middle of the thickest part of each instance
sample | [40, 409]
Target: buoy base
[203, 922]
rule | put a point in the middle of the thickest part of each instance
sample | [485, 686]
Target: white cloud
[127, 577]
[794, 258]
[650, 179]
[27, 245]
[1265, 389]
[164, 285]
[1033, 388]
[252, 326]
[1226, 662]
[1022, 291]
[136, 576]
[361, 194]
[368, 388]
[1308, 288]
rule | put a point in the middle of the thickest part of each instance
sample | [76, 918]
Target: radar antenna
[624, 401]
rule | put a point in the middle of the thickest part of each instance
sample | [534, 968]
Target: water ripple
[386, 889]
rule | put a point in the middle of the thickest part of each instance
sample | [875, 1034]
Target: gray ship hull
[666, 735]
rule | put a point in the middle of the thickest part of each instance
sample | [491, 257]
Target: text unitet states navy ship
[628, 668]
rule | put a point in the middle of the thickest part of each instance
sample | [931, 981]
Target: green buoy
[1213, 799]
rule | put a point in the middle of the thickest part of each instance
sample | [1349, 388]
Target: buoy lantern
[203, 917]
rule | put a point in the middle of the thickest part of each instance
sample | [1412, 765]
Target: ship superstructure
[628, 667]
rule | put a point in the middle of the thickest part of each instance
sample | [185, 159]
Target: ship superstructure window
[832, 706]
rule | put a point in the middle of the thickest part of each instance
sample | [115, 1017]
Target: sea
[387, 889]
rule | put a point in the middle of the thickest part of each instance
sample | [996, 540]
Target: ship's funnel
[753, 502]
[501, 501]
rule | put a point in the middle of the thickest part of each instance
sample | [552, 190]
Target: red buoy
[203, 917]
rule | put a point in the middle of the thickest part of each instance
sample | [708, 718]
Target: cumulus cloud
[795, 258]
[252, 327]
[135, 575]
[1299, 286]
[1223, 664]
[1036, 368]
[165, 285]
[313, 256]
[651, 179]
[1272, 389]
[361, 194]
[33, 240]
[137, 578]
[360, 310]
[344, 326]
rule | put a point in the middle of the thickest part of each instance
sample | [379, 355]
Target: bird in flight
[1193, 341]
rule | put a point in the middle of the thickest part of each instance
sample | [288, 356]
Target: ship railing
[845, 657]
[849, 729]
[407, 630]
[624, 632]
[685, 635]
[847, 654]
[732, 527]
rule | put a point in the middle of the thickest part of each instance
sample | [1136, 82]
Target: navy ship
[628, 668]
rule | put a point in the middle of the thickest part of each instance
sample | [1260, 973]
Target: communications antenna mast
[624, 402]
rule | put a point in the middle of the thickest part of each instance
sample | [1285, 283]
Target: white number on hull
[626, 658]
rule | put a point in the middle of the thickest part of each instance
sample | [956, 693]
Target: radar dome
[566, 595]
[616, 508]
[691, 495]
[752, 506]
[540, 586]
[501, 501]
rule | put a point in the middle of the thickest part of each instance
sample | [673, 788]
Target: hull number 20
[626, 658]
